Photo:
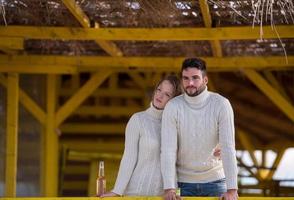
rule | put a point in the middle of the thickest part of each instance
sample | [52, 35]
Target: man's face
[193, 81]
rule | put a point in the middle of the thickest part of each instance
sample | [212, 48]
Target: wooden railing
[142, 198]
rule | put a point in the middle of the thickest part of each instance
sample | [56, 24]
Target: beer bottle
[101, 181]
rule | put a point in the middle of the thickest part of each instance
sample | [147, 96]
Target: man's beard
[197, 92]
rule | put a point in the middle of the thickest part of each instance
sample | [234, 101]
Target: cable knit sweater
[191, 129]
[139, 172]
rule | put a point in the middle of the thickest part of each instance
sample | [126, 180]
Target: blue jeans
[212, 189]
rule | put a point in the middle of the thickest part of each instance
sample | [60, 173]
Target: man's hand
[231, 194]
[170, 194]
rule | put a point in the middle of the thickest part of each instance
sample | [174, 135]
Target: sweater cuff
[169, 183]
[114, 190]
[232, 184]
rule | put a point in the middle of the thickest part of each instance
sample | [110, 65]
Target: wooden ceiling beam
[145, 34]
[29, 104]
[285, 106]
[266, 118]
[102, 92]
[93, 128]
[13, 43]
[215, 44]
[68, 64]
[83, 19]
[113, 111]
[84, 92]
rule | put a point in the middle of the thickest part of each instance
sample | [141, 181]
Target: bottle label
[101, 186]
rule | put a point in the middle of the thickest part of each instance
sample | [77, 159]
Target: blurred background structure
[73, 72]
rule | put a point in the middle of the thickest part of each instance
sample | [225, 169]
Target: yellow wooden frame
[12, 134]
[144, 34]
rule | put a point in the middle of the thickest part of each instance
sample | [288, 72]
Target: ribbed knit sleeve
[130, 156]
[169, 146]
[227, 143]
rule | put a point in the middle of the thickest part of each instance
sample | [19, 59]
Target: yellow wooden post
[92, 178]
[11, 137]
[51, 142]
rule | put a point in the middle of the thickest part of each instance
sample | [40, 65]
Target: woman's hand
[217, 152]
[109, 194]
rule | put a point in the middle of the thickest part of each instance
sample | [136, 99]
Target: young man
[193, 124]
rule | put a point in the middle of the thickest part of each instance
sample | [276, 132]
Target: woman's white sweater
[191, 129]
[139, 172]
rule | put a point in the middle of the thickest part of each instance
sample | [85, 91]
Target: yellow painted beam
[93, 128]
[155, 79]
[246, 167]
[110, 48]
[80, 184]
[75, 81]
[259, 116]
[29, 104]
[245, 141]
[279, 144]
[95, 145]
[80, 96]
[275, 83]
[107, 110]
[285, 106]
[51, 150]
[113, 81]
[42, 64]
[93, 175]
[102, 92]
[205, 13]
[74, 185]
[277, 161]
[138, 79]
[12, 134]
[8, 51]
[176, 34]
[12, 43]
[38, 69]
[215, 44]
[71, 169]
[89, 156]
[79, 14]
[211, 86]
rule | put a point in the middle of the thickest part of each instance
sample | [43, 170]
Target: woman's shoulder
[138, 116]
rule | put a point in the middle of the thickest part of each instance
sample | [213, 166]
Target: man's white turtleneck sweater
[191, 129]
[139, 172]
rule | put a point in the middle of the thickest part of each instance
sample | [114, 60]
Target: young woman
[139, 173]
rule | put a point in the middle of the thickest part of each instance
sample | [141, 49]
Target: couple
[174, 148]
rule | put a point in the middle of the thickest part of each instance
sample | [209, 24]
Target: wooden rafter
[93, 128]
[80, 96]
[12, 134]
[27, 102]
[284, 129]
[215, 44]
[67, 64]
[83, 19]
[285, 106]
[175, 34]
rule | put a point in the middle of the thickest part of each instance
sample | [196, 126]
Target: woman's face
[163, 93]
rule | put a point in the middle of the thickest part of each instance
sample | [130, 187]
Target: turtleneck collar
[199, 100]
[154, 112]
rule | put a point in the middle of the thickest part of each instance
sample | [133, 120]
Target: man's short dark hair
[194, 63]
